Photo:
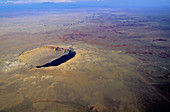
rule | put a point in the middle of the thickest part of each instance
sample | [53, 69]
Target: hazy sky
[112, 1]
[119, 2]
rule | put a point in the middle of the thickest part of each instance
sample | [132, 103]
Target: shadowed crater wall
[47, 56]
[60, 60]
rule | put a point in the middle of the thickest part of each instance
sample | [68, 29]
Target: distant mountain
[48, 6]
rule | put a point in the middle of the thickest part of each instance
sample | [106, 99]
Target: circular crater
[47, 56]
[155, 71]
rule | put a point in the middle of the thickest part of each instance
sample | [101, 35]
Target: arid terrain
[121, 63]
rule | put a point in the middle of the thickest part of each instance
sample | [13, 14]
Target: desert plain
[121, 63]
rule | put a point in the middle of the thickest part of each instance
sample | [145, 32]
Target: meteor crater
[47, 56]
